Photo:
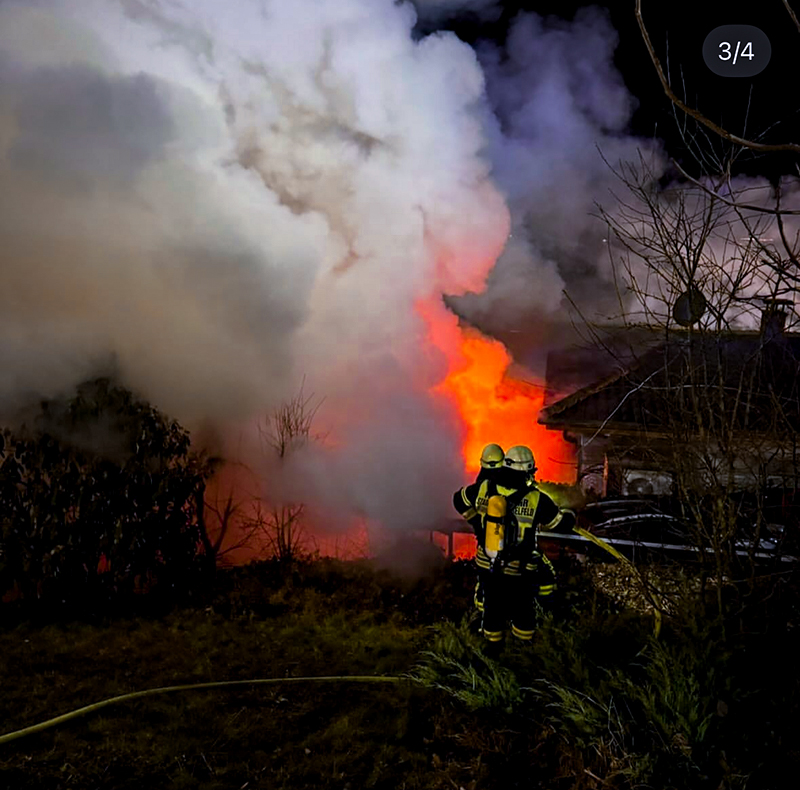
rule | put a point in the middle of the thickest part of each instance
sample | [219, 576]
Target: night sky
[767, 106]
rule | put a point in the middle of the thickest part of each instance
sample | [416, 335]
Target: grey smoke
[76, 126]
[228, 198]
[557, 103]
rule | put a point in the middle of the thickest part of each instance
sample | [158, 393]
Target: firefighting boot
[522, 635]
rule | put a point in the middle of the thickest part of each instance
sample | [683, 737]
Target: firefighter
[491, 463]
[511, 569]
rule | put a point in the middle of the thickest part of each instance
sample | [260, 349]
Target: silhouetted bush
[97, 500]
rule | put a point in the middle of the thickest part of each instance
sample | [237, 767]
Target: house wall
[622, 465]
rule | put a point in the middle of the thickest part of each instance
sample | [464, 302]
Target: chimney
[773, 317]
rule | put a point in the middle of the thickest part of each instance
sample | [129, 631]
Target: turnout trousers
[510, 599]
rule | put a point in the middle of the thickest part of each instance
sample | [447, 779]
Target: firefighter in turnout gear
[491, 463]
[512, 571]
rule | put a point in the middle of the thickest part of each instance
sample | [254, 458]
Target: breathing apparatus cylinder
[495, 521]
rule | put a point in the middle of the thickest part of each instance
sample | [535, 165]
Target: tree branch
[792, 15]
[696, 114]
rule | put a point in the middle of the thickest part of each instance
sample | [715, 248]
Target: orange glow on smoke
[495, 406]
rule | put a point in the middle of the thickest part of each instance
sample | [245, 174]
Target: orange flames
[495, 406]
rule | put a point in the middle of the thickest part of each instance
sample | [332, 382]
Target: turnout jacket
[532, 511]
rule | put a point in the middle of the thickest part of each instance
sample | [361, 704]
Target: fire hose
[73, 714]
[625, 561]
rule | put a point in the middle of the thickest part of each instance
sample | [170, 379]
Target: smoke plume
[225, 198]
[559, 109]
[228, 198]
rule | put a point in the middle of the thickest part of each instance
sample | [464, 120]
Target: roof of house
[749, 377]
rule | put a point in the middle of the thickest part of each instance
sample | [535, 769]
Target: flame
[494, 405]
[463, 545]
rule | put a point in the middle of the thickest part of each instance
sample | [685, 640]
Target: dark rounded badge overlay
[737, 50]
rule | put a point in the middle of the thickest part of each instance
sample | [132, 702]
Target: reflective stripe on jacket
[535, 510]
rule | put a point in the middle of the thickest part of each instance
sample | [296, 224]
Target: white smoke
[225, 198]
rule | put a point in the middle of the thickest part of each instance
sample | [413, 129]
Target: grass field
[594, 702]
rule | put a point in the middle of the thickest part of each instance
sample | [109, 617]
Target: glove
[568, 521]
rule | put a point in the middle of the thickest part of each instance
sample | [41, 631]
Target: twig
[619, 405]
[792, 14]
[696, 114]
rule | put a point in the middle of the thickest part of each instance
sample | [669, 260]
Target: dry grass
[591, 703]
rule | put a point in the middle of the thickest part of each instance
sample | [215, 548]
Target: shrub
[98, 500]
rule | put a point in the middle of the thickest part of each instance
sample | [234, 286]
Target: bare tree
[664, 242]
[237, 517]
[286, 429]
[716, 150]
[289, 425]
[282, 531]
[720, 246]
[716, 406]
[223, 518]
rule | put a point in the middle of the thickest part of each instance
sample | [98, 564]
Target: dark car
[645, 532]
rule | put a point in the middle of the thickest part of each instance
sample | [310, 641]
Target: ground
[568, 711]
[347, 621]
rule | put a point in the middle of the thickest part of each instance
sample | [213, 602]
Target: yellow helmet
[520, 458]
[492, 456]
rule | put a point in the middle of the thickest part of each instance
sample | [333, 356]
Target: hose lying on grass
[614, 553]
[73, 714]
